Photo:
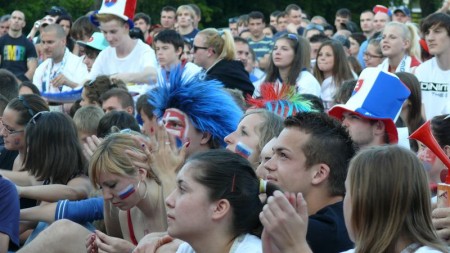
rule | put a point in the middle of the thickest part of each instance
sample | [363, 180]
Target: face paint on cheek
[177, 124]
[243, 150]
[427, 156]
[16, 141]
[125, 193]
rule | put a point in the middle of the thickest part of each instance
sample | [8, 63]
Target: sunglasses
[37, 117]
[26, 105]
[195, 48]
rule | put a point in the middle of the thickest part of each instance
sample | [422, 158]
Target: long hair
[54, 152]
[408, 32]
[210, 108]
[414, 118]
[300, 62]
[341, 70]
[221, 41]
[27, 106]
[390, 200]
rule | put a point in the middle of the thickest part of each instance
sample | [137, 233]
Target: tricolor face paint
[243, 150]
[177, 124]
[126, 192]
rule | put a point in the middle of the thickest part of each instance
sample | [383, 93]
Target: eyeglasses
[195, 48]
[370, 56]
[7, 129]
[37, 117]
[26, 105]
[292, 36]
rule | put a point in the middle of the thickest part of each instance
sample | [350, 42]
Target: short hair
[282, 14]
[31, 86]
[8, 84]
[143, 105]
[82, 27]
[292, 7]
[3, 103]
[143, 16]
[316, 102]
[275, 13]
[27, 106]
[124, 97]
[344, 12]
[86, 119]
[318, 38]
[93, 90]
[243, 20]
[187, 8]
[256, 15]
[5, 18]
[169, 8]
[329, 143]
[196, 9]
[116, 120]
[65, 17]
[390, 199]
[435, 20]
[53, 150]
[169, 36]
[359, 37]
[59, 31]
[376, 42]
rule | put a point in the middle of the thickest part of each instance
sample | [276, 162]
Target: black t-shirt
[14, 54]
[327, 232]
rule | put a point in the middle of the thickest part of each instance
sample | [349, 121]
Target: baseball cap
[96, 41]
[403, 9]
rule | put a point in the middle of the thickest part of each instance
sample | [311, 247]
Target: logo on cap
[110, 3]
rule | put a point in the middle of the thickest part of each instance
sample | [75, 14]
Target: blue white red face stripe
[125, 193]
[243, 150]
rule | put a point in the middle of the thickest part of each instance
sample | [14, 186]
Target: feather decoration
[210, 108]
[280, 99]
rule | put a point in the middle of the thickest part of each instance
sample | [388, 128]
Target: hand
[119, 77]
[108, 244]
[441, 221]
[91, 247]
[151, 243]
[291, 28]
[91, 144]
[59, 81]
[285, 220]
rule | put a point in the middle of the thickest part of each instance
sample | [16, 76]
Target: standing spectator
[366, 23]
[143, 22]
[17, 54]
[168, 17]
[273, 18]
[261, 44]
[197, 15]
[295, 19]
[342, 16]
[185, 22]
[373, 56]
[4, 24]
[401, 14]
[381, 17]
[434, 74]
[233, 26]
[356, 39]
[82, 30]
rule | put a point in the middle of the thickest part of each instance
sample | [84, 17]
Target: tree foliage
[215, 13]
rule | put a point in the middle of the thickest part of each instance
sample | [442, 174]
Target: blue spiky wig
[210, 107]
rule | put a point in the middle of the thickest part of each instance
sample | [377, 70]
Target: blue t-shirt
[9, 210]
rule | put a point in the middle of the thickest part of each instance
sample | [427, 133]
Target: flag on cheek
[243, 150]
[125, 193]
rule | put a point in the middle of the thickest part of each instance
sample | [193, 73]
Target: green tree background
[215, 13]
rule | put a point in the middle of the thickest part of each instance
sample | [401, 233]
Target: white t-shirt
[423, 249]
[306, 84]
[434, 83]
[72, 67]
[243, 244]
[107, 62]
[327, 93]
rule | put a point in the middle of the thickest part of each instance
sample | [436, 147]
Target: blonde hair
[86, 119]
[410, 33]
[109, 157]
[187, 8]
[105, 17]
[390, 200]
[221, 41]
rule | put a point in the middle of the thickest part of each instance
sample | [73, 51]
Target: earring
[146, 192]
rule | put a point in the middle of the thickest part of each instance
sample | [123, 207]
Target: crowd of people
[293, 135]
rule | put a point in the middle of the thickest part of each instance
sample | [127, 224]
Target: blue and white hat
[96, 41]
[123, 9]
[378, 95]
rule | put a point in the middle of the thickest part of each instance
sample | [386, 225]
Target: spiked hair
[210, 108]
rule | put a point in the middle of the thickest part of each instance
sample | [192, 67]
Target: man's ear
[129, 110]
[142, 173]
[447, 150]
[380, 128]
[205, 138]
[320, 172]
